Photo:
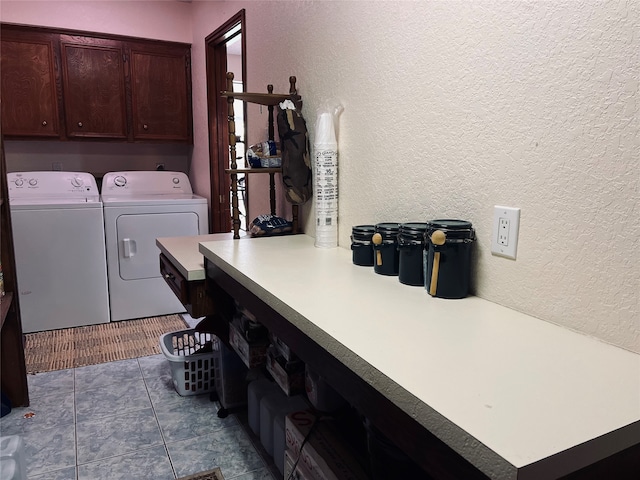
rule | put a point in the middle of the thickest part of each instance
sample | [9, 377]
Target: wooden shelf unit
[270, 100]
[13, 371]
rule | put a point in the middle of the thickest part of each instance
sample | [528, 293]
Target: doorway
[225, 50]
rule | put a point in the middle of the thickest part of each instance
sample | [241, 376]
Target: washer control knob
[33, 182]
[19, 182]
[120, 181]
[76, 182]
[176, 180]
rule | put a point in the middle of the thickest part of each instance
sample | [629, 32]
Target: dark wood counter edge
[433, 455]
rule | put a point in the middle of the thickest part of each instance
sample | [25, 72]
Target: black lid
[387, 227]
[411, 227]
[388, 230]
[363, 229]
[452, 228]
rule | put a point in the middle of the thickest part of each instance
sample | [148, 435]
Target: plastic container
[269, 405]
[194, 360]
[385, 248]
[448, 266]
[279, 433]
[361, 245]
[411, 248]
[255, 392]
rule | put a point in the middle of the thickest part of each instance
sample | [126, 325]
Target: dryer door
[138, 254]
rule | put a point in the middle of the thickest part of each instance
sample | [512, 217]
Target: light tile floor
[124, 420]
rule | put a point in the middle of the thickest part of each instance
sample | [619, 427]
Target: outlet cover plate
[504, 236]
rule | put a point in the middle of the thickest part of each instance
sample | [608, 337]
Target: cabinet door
[29, 93]
[94, 87]
[161, 93]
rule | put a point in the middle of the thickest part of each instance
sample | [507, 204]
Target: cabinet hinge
[125, 58]
[221, 199]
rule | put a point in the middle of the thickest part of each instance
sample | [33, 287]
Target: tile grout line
[155, 416]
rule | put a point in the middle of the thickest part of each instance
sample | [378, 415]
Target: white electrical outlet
[504, 238]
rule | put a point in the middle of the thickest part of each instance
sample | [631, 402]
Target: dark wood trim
[216, 58]
[13, 371]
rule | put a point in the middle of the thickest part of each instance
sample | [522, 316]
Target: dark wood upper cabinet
[79, 85]
[94, 87]
[28, 79]
[160, 93]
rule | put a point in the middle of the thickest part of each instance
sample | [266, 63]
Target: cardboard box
[301, 473]
[288, 375]
[252, 354]
[283, 348]
[325, 454]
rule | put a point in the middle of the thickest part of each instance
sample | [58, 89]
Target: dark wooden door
[29, 93]
[94, 87]
[161, 93]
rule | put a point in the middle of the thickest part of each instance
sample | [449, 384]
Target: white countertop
[184, 254]
[503, 389]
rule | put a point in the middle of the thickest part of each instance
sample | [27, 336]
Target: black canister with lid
[411, 247]
[448, 258]
[385, 248]
[361, 245]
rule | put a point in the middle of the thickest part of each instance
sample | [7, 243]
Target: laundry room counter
[515, 396]
[184, 253]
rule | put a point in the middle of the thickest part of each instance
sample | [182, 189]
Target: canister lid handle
[438, 237]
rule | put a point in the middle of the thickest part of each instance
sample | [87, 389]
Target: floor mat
[214, 474]
[93, 344]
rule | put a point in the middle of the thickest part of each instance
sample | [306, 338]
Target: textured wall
[163, 20]
[451, 108]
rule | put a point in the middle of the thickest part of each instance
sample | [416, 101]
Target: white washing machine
[140, 206]
[58, 234]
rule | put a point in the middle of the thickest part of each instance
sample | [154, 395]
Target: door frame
[216, 67]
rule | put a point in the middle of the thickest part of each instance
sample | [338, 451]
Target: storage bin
[194, 360]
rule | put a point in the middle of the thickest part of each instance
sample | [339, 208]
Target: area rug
[214, 474]
[93, 344]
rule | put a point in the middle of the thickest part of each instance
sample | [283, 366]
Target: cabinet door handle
[145, 126]
[169, 276]
[44, 123]
[80, 124]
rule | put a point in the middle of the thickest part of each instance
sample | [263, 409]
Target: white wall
[451, 108]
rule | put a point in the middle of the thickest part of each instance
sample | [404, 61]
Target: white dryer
[140, 206]
[58, 236]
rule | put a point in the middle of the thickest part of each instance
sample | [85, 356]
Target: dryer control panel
[145, 183]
